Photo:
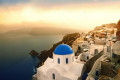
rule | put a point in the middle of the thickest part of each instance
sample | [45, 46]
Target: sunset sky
[74, 14]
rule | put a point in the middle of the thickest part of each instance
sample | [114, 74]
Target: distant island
[36, 30]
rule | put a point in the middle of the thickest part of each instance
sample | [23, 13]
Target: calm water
[15, 62]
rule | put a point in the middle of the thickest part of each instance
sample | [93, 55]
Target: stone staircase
[96, 66]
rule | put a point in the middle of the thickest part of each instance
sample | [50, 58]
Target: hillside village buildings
[91, 59]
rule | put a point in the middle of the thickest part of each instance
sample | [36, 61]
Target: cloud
[106, 0]
[61, 14]
[58, 2]
[49, 2]
[12, 2]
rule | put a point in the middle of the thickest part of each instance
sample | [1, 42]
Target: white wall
[63, 58]
[52, 71]
[105, 49]
[93, 47]
[41, 75]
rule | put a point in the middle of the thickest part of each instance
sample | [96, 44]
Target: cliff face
[67, 39]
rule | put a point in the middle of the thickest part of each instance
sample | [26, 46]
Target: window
[87, 57]
[95, 51]
[113, 55]
[53, 75]
[58, 60]
[66, 60]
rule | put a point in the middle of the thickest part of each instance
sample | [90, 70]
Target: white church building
[62, 67]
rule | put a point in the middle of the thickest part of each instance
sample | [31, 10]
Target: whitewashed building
[61, 67]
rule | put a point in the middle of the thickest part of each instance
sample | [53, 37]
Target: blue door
[96, 78]
[53, 76]
[84, 76]
[97, 73]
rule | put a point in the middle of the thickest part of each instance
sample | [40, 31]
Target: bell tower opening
[58, 60]
[66, 60]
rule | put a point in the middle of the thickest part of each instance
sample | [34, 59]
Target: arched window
[95, 51]
[58, 60]
[53, 76]
[66, 60]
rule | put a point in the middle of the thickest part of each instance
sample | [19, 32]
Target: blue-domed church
[62, 67]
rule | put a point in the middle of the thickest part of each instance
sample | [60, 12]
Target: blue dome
[63, 49]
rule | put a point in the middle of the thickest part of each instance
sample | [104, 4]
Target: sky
[74, 14]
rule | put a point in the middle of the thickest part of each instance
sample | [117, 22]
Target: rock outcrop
[33, 53]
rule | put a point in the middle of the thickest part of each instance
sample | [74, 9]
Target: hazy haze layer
[73, 14]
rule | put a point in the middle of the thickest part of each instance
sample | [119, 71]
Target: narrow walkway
[91, 74]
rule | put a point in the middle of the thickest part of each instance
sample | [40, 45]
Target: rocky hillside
[111, 25]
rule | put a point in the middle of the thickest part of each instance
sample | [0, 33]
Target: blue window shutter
[53, 76]
[66, 60]
[58, 60]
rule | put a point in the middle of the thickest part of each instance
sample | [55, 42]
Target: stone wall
[106, 69]
[97, 42]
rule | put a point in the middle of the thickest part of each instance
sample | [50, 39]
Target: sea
[15, 61]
